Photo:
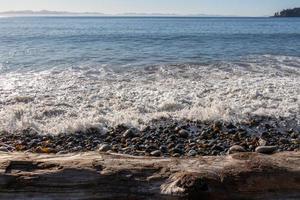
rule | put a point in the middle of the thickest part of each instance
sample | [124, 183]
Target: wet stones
[163, 137]
[130, 133]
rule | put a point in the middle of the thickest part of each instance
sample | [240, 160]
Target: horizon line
[21, 13]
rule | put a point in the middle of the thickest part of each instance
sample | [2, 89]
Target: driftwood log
[95, 175]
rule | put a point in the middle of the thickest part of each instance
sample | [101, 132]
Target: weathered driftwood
[105, 176]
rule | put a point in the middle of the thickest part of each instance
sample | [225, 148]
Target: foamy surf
[70, 100]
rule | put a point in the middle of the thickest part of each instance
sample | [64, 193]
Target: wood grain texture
[95, 175]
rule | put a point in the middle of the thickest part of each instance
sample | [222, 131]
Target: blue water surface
[39, 43]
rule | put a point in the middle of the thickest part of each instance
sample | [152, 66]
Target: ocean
[65, 74]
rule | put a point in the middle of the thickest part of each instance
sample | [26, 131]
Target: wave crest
[55, 101]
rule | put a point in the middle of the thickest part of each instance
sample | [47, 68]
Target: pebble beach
[164, 138]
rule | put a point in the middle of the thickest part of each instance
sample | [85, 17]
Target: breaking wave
[74, 99]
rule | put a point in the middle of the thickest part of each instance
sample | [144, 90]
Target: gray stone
[156, 153]
[192, 153]
[61, 152]
[3, 149]
[266, 149]
[163, 148]
[236, 149]
[295, 141]
[262, 142]
[130, 133]
[104, 148]
[183, 133]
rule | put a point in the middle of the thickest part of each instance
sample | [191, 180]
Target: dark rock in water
[130, 133]
[266, 149]
[104, 147]
[236, 149]
[183, 133]
[156, 153]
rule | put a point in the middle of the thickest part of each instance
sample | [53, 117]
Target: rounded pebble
[236, 149]
[104, 148]
[266, 149]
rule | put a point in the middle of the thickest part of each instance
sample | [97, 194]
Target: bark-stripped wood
[95, 175]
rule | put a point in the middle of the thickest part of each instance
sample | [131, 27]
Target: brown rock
[266, 149]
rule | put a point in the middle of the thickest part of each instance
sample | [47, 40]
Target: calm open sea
[62, 42]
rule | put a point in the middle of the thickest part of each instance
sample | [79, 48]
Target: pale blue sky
[218, 7]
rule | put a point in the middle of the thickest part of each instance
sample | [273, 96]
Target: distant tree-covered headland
[295, 12]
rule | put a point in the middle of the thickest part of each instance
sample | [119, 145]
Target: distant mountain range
[66, 13]
[46, 12]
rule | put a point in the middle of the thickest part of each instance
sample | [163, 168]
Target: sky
[183, 7]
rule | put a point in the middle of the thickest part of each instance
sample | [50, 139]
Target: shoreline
[164, 137]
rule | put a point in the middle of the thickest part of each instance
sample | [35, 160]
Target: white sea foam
[75, 99]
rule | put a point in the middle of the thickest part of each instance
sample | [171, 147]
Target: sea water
[64, 74]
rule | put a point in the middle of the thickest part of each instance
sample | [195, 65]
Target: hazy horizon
[72, 13]
[251, 8]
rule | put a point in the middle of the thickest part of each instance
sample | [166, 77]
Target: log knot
[185, 184]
